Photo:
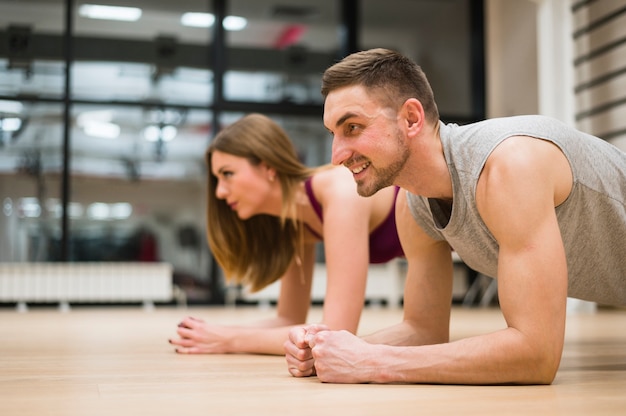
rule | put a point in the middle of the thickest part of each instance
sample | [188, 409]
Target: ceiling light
[169, 132]
[151, 133]
[121, 210]
[101, 129]
[234, 23]
[94, 11]
[103, 211]
[231, 23]
[154, 133]
[10, 124]
[29, 207]
[75, 209]
[197, 19]
[97, 115]
[98, 124]
[98, 211]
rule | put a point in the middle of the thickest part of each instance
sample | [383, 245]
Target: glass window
[141, 125]
[32, 62]
[30, 165]
[280, 54]
[142, 107]
[154, 55]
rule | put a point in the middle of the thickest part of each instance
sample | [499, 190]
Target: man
[527, 200]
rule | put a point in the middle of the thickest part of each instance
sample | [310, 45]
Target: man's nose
[340, 152]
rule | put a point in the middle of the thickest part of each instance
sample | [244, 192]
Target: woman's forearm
[199, 337]
[258, 340]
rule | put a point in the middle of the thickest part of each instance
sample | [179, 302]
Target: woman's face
[246, 188]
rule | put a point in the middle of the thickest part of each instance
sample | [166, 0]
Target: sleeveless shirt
[592, 220]
[384, 243]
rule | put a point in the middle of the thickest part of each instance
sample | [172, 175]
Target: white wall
[511, 53]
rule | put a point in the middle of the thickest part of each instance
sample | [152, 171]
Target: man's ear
[413, 112]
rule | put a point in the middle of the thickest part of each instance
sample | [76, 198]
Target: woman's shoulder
[336, 187]
[333, 179]
[335, 190]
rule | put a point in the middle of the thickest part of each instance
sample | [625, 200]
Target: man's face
[366, 138]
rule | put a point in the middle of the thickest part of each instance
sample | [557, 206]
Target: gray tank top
[592, 220]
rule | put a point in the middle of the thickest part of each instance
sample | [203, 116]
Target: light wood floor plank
[117, 361]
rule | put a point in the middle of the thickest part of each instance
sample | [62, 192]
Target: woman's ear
[271, 173]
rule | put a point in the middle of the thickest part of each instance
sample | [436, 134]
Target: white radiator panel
[85, 282]
[384, 282]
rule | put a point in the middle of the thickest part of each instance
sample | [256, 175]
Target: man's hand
[298, 352]
[334, 356]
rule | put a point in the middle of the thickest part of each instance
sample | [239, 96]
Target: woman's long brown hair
[257, 251]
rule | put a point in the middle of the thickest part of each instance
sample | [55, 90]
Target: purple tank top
[384, 242]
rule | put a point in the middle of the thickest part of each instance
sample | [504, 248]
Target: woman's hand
[198, 337]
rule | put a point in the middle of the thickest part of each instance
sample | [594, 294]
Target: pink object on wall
[289, 36]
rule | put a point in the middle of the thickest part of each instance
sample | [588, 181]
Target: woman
[266, 213]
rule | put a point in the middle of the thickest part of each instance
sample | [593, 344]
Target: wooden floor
[117, 361]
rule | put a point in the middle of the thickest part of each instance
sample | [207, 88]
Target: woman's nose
[220, 190]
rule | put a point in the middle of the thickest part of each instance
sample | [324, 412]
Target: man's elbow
[543, 369]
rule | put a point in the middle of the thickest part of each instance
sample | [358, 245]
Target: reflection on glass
[155, 58]
[280, 54]
[30, 139]
[311, 24]
[311, 139]
[139, 142]
[96, 11]
[30, 163]
[103, 211]
[142, 21]
[42, 79]
[108, 81]
[141, 95]
[31, 62]
[272, 87]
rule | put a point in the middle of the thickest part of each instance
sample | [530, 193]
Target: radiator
[85, 282]
[384, 283]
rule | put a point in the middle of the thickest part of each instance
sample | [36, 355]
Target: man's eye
[352, 128]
